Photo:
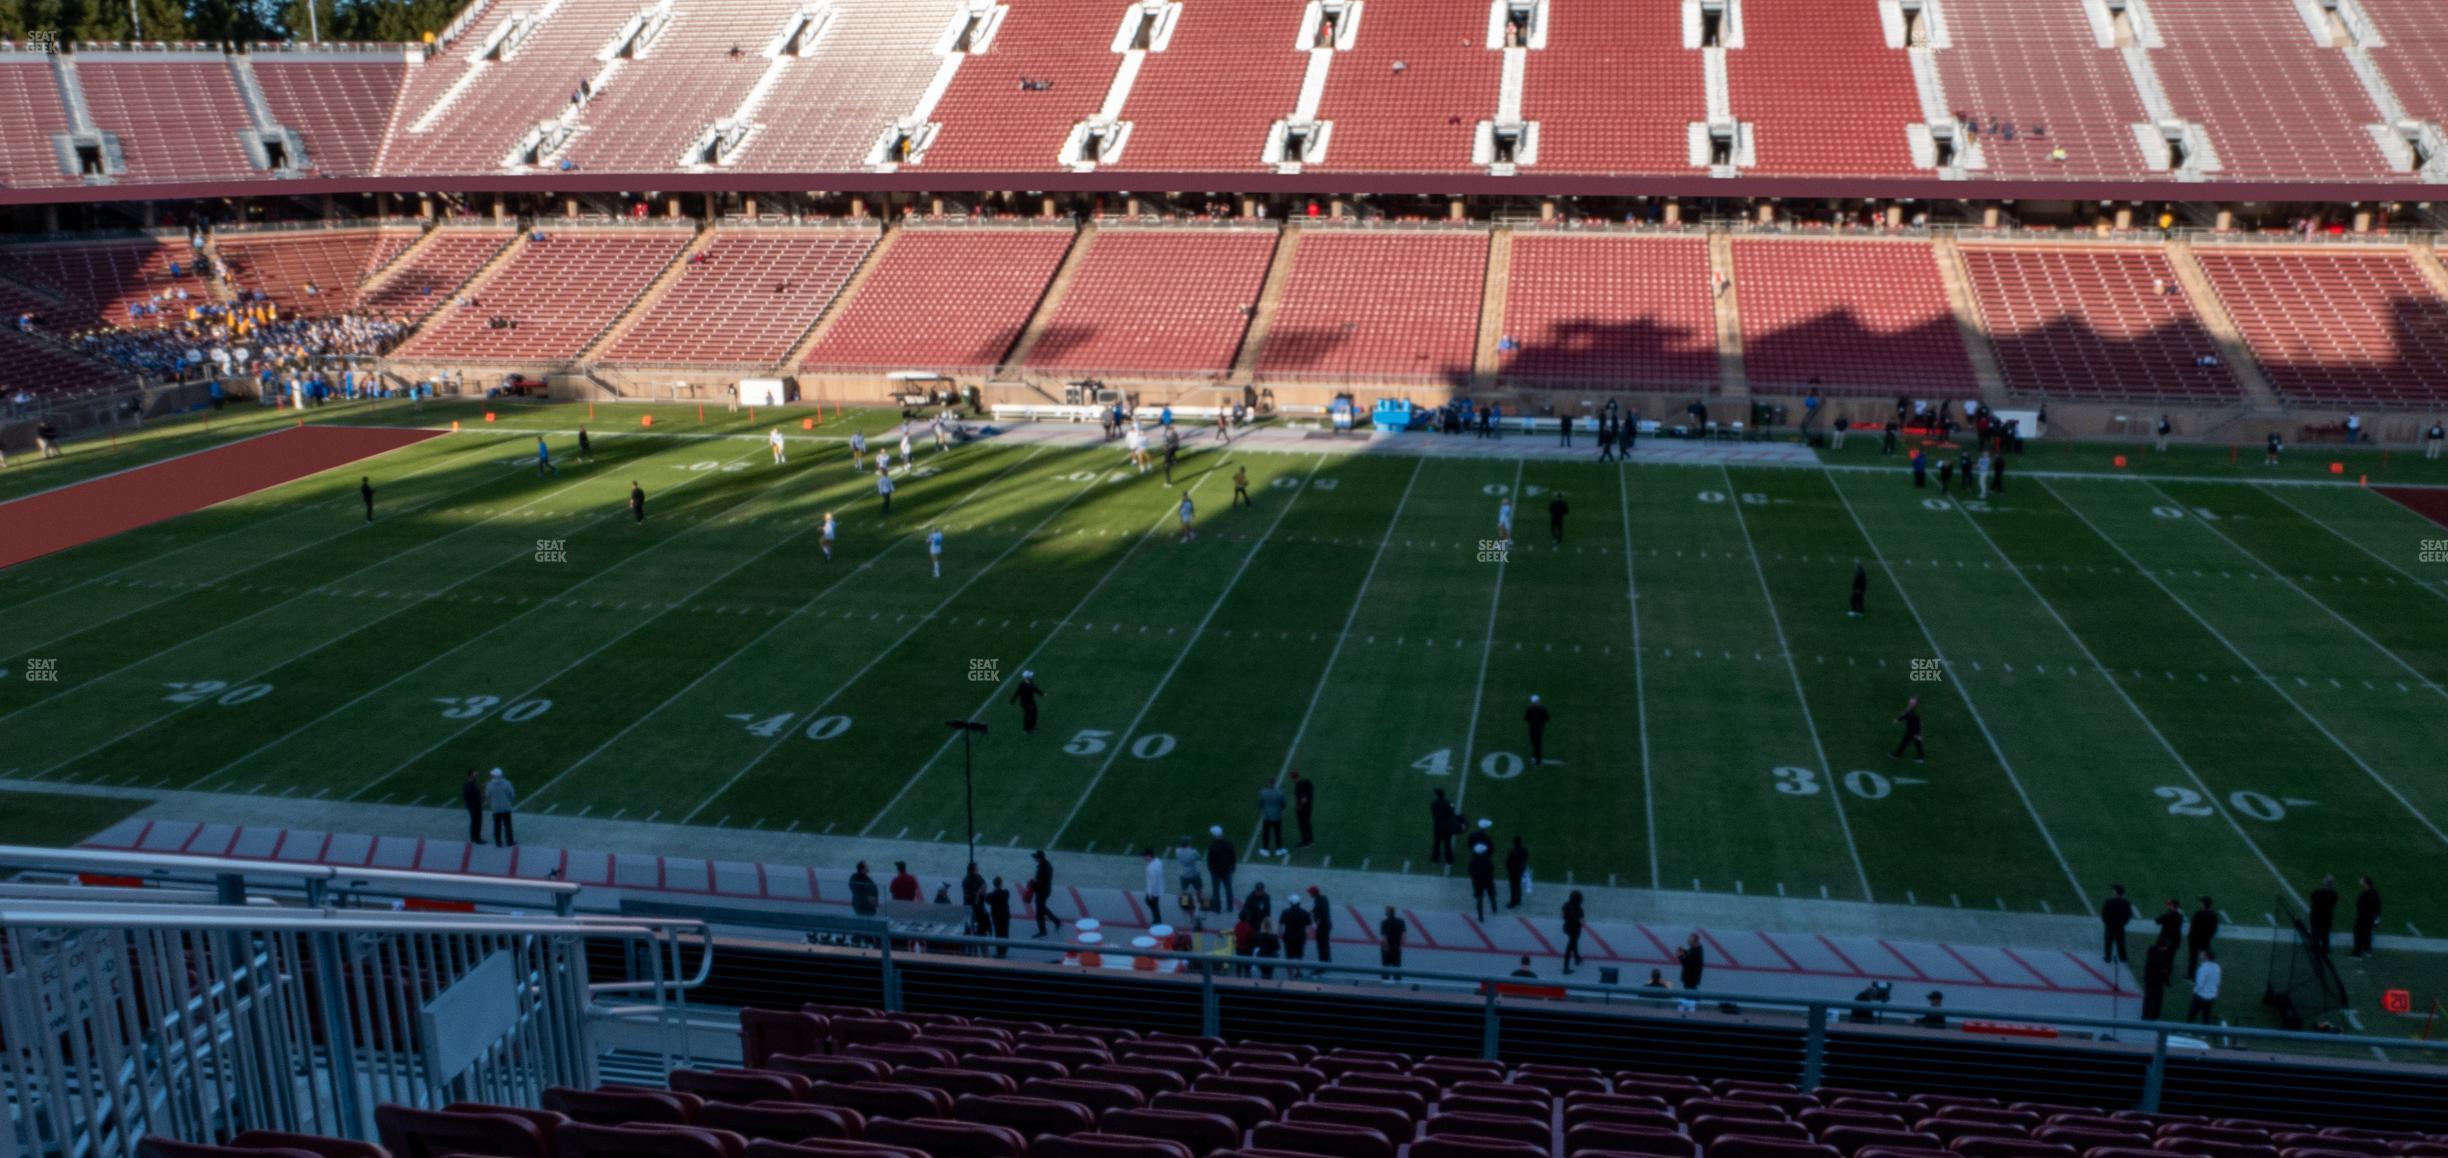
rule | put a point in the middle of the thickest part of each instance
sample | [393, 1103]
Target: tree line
[224, 20]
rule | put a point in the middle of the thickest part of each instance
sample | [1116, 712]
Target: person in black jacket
[1304, 798]
[637, 501]
[2115, 913]
[1222, 859]
[1517, 869]
[1694, 961]
[2367, 917]
[1557, 508]
[997, 902]
[471, 794]
[863, 893]
[1041, 889]
[2204, 930]
[2323, 916]
[1321, 920]
[1483, 882]
[2171, 920]
[1257, 907]
[1574, 915]
[1390, 934]
[365, 490]
[1026, 695]
[1536, 717]
[1910, 717]
[1861, 590]
[1443, 825]
[2158, 968]
[1295, 926]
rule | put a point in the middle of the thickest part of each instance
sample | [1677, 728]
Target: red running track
[2429, 502]
[71, 516]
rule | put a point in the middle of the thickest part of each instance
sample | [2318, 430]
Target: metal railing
[237, 879]
[197, 1022]
[1515, 1018]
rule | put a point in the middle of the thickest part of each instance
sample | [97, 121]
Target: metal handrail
[1818, 1011]
[314, 879]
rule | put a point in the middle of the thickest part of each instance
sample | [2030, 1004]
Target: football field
[2207, 682]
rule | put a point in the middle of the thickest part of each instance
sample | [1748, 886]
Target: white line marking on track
[1809, 724]
[1640, 694]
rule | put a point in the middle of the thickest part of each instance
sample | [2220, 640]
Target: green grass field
[2188, 686]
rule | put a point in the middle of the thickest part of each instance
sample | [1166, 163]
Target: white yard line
[1487, 649]
[638, 625]
[2164, 745]
[1640, 692]
[1123, 739]
[1359, 599]
[327, 585]
[317, 649]
[492, 480]
[1028, 661]
[785, 735]
[761, 637]
[1963, 693]
[2268, 680]
[2425, 584]
[298, 507]
[1827, 771]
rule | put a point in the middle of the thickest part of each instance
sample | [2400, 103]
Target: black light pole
[968, 729]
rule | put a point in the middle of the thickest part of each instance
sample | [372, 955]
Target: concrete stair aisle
[1733, 381]
[1270, 299]
[1042, 318]
[1486, 360]
[823, 324]
[2427, 261]
[2232, 349]
[1966, 307]
[654, 291]
[398, 260]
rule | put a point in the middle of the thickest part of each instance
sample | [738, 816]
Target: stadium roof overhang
[1318, 184]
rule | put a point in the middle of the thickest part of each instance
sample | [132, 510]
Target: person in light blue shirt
[544, 462]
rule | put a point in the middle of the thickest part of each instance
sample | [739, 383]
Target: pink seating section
[2278, 105]
[2336, 327]
[1207, 102]
[562, 293]
[1612, 95]
[1401, 306]
[178, 120]
[1163, 302]
[1612, 311]
[657, 106]
[2078, 321]
[1821, 89]
[2415, 59]
[991, 122]
[335, 263]
[870, 69]
[1860, 317]
[30, 107]
[750, 300]
[2039, 69]
[425, 280]
[339, 107]
[944, 299]
[510, 97]
[1425, 117]
[99, 280]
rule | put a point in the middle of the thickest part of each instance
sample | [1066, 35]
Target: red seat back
[882, 1099]
[740, 1087]
[1097, 1096]
[408, 1132]
[1464, 1146]
[1507, 1107]
[782, 1121]
[1201, 1133]
[1030, 1116]
[957, 1082]
[157, 1146]
[849, 1031]
[1507, 1126]
[1108, 1146]
[903, 1054]
[646, 1140]
[1325, 1139]
[949, 1138]
[828, 1148]
[1141, 1078]
[311, 1143]
[1281, 1093]
[1018, 1069]
[1602, 1137]
[1427, 1088]
[1242, 1110]
[1394, 1124]
[1853, 1139]
[829, 1069]
[766, 1032]
[616, 1107]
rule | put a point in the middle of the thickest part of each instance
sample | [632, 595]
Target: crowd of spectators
[245, 338]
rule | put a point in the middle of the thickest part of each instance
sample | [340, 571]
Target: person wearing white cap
[1026, 695]
[775, 441]
[503, 800]
[1536, 716]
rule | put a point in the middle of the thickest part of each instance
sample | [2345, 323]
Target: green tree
[294, 25]
[229, 20]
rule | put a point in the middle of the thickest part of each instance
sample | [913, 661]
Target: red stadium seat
[1600, 1138]
[766, 1032]
[1030, 1116]
[657, 1140]
[949, 1138]
[1108, 1146]
[1323, 1139]
[1097, 1096]
[882, 1099]
[1244, 1111]
[317, 1144]
[957, 1082]
[1394, 1124]
[782, 1121]
[1465, 1146]
[829, 1069]
[740, 1087]
[1201, 1133]
[1504, 1126]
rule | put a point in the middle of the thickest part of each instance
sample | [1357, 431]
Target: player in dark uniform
[1556, 510]
[365, 490]
[1861, 590]
[1026, 695]
[1910, 717]
[637, 501]
[1536, 716]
